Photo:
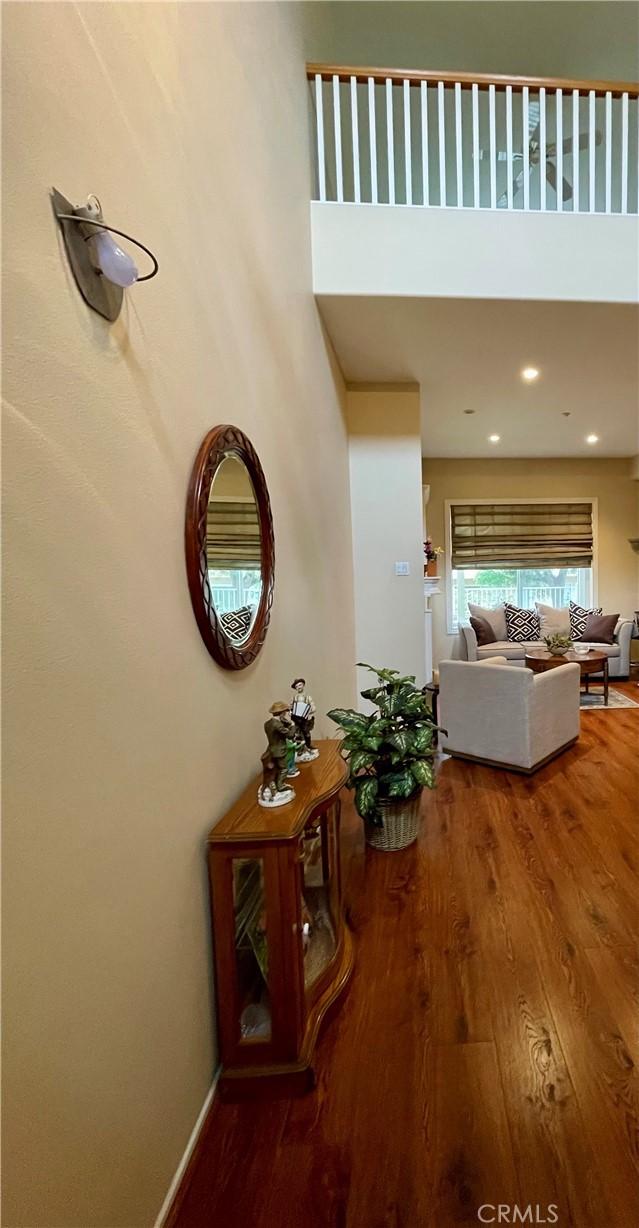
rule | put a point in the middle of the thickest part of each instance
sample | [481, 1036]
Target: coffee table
[592, 662]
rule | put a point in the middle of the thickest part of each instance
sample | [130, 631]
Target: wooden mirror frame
[218, 444]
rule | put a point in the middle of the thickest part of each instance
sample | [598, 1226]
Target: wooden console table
[283, 952]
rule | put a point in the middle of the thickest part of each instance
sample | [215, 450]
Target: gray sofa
[618, 652]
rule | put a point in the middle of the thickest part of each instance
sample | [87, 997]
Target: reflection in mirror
[233, 549]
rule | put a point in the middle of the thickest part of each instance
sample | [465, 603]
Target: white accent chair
[507, 717]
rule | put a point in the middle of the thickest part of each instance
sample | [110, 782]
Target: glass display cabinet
[283, 953]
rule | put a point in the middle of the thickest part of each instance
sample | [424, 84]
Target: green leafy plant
[390, 752]
[558, 643]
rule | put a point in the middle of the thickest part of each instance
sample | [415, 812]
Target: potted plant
[431, 554]
[390, 754]
[558, 644]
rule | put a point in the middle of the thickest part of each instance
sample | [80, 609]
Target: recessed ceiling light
[592, 439]
[529, 374]
[494, 438]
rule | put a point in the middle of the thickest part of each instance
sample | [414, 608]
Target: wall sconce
[102, 270]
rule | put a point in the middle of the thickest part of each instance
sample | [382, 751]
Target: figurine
[293, 748]
[307, 926]
[303, 714]
[280, 731]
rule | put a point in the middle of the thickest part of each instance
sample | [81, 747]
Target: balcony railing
[557, 596]
[578, 589]
[467, 141]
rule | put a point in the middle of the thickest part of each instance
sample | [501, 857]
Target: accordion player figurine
[303, 716]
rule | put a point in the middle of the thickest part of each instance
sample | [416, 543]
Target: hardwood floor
[487, 1050]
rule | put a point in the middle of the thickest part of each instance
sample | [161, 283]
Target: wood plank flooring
[487, 1050]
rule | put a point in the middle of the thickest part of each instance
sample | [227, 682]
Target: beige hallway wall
[124, 742]
[608, 480]
[384, 453]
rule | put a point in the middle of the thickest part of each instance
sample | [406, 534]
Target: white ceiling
[468, 354]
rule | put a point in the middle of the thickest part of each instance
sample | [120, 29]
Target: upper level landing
[455, 186]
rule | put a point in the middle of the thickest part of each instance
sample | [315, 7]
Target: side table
[432, 689]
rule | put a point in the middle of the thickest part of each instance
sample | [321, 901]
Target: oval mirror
[229, 547]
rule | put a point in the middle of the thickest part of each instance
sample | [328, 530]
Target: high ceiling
[468, 355]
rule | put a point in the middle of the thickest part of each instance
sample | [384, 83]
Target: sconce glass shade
[115, 263]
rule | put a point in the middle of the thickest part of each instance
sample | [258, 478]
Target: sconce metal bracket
[100, 293]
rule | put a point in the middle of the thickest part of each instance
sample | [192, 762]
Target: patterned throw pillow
[579, 618]
[522, 625]
[236, 623]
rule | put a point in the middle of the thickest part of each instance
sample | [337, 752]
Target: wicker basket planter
[401, 823]
[391, 756]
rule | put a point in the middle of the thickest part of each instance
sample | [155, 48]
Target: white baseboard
[188, 1152]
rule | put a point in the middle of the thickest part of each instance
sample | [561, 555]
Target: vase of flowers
[431, 555]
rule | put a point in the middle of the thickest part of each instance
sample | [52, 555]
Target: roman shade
[233, 535]
[512, 535]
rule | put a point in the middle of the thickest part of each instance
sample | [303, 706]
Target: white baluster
[559, 160]
[608, 152]
[355, 139]
[509, 144]
[319, 119]
[390, 141]
[575, 151]
[423, 93]
[493, 147]
[475, 100]
[458, 145]
[624, 153]
[337, 124]
[408, 165]
[373, 138]
[441, 114]
[591, 151]
[525, 122]
[542, 148]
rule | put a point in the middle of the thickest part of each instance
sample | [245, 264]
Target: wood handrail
[466, 79]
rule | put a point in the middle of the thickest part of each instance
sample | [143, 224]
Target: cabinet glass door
[251, 948]
[319, 897]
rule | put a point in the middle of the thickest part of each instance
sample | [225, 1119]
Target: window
[233, 550]
[518, 551]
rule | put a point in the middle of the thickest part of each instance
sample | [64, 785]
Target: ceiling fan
[534, 157]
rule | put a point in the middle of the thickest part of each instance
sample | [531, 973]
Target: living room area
[537, 570]
[531, 511]
[547, 537]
